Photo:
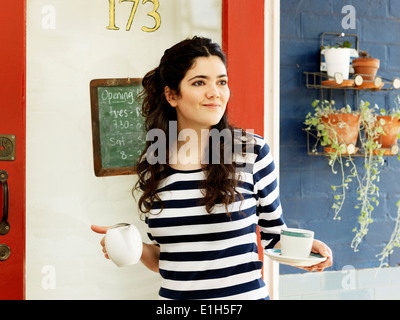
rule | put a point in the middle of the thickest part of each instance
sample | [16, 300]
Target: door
[12, 150]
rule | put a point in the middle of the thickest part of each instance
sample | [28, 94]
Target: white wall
[271, 113]
[347, 284]
[67, 46]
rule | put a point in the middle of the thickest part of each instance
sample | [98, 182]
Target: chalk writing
[121, 126]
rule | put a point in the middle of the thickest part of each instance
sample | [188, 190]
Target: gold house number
[154, 14]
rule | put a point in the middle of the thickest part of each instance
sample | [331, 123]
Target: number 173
[154, 14]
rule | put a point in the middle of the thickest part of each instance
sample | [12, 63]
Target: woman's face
[204, 94]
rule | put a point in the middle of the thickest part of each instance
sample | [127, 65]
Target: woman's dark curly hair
[221, 181]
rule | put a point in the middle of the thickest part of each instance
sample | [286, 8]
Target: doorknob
[5, 252]
[4, 225]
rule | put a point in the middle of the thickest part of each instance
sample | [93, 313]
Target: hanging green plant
[394, 241]
[338, 131]
[368, 190]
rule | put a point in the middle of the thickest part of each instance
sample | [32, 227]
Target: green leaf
[346, 44]
[315, 122]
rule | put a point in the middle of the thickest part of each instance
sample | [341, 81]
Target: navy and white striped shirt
[212, 256]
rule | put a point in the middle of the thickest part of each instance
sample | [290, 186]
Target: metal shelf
[320, 80]
[356, 82]
[316, 149]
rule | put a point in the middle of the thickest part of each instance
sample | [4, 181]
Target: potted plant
[390, 122]
[337, 58]
[340, 150]
[366, 66]
[336, 127]
[337, 132]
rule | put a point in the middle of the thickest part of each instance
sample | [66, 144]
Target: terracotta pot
[346, 126]
[366, 66]
[391, 129]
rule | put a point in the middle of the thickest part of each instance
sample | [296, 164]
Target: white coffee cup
[124, 244]
[296, 243]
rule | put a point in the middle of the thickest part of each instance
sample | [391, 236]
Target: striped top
[211, 256]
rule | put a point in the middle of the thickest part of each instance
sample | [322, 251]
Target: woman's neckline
[185, 171]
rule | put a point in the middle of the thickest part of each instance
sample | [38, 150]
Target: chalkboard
[117, 125]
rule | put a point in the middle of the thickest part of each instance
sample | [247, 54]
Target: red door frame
[12, 121]
[243, 41]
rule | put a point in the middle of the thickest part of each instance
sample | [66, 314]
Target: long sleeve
[269, 207]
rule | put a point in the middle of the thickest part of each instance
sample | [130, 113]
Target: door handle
[4, 225]
[5, 252]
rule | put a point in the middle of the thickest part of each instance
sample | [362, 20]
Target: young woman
[205, 193]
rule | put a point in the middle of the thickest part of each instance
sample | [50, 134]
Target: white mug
[296, 242]
[124, 244]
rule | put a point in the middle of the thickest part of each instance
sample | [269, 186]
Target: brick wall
[304, 180]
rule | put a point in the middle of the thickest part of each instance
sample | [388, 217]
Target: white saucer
[313, 258]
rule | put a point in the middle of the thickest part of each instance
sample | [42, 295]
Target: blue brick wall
[305, 181]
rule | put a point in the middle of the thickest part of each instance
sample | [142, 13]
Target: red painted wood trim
[243, 43]
[12, 119]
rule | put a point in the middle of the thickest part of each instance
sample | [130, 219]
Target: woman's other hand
[101, 230]
[322, 249]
